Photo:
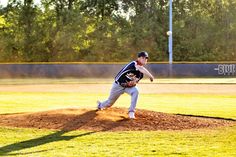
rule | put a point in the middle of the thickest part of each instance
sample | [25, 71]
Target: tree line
[115, 30]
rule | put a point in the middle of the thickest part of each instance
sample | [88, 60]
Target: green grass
[216, 142]
[32, 142]
[195, 104]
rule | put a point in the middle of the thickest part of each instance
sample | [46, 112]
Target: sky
[4, 2]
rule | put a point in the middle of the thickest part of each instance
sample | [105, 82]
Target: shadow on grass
[57, 136]
[208, 117]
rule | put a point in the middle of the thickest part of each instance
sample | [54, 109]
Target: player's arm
[145, 71]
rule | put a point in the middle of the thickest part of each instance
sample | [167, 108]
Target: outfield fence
[105, 70]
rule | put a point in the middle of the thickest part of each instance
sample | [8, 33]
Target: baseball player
[125, 82]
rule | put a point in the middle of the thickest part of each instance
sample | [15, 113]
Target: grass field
[40, 142]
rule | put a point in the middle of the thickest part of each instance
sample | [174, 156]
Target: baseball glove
[129, 84]
[133, 81]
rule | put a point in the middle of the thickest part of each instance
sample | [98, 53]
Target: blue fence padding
[110, 70]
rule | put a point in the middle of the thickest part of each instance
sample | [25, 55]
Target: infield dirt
[112, 119]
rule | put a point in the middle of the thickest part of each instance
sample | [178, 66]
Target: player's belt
[117, 82]
[121, 84]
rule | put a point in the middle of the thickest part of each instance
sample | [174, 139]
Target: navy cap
[143, 54]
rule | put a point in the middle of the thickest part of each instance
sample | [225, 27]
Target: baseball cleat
[131, 115]
[99, 105]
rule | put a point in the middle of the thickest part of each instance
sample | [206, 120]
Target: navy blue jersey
[127, 72]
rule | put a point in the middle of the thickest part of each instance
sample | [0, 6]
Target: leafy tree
[114, 30]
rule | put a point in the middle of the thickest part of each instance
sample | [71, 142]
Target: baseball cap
[143, 54]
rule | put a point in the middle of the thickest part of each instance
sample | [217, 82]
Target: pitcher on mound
[125, 82]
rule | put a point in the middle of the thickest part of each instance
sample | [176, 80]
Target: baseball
[169, 33]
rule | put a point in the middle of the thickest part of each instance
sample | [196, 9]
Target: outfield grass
[214, 105]
[32, 142]
[216, 142]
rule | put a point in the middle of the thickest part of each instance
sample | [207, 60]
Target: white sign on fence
[226, 69]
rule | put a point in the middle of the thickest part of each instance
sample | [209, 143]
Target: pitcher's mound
[112, 119]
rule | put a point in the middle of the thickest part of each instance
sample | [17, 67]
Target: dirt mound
[112, 119]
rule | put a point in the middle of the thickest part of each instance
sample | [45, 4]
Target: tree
[115, 30]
